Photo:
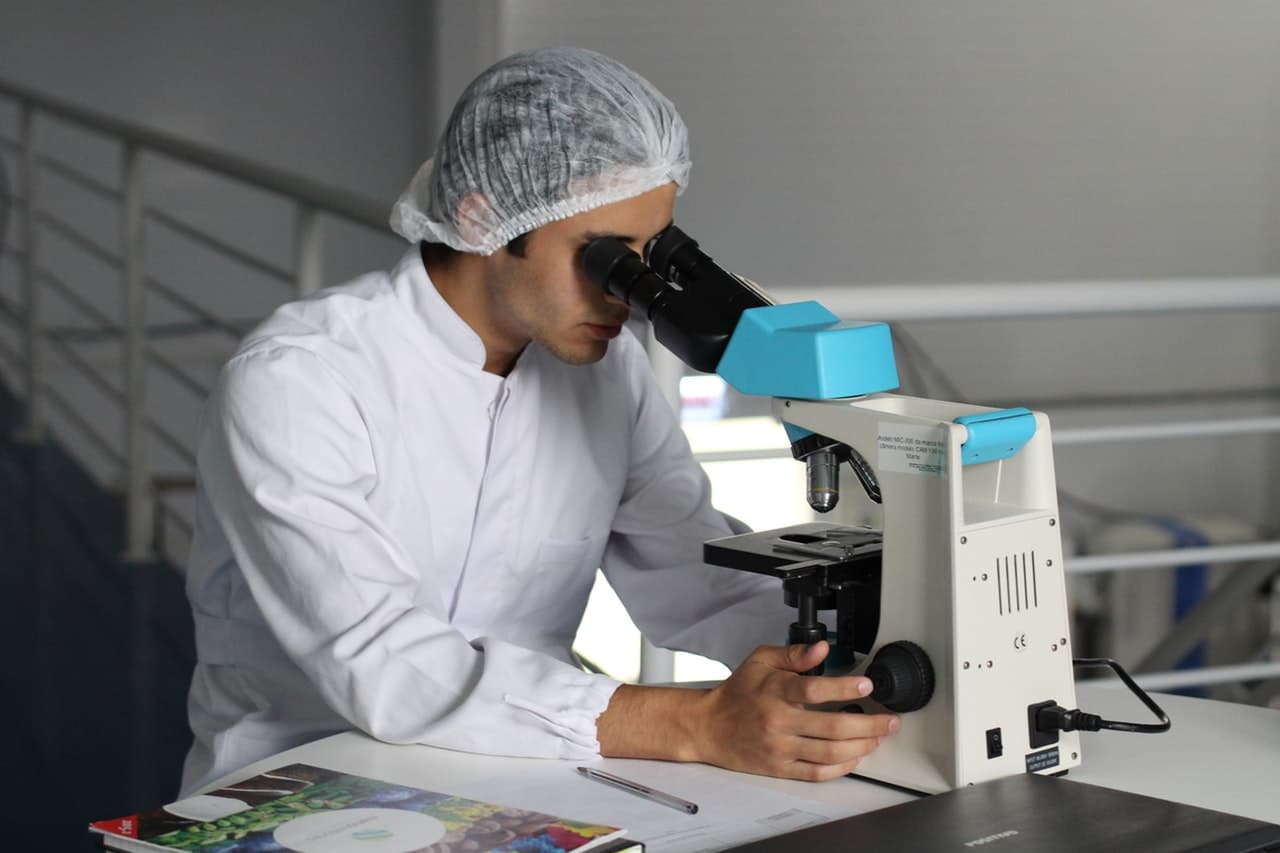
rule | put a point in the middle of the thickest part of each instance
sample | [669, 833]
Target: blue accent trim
[795, 433]
[802, 350]
[996, 435]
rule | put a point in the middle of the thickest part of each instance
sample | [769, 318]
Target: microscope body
[971, 573]
[957, 608]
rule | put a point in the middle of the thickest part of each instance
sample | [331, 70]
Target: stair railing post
[309, 248]
[140, 517]
[32, 429]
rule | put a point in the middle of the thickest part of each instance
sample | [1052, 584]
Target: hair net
[540, 136]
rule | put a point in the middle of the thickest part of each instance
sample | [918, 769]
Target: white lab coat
[391, 539]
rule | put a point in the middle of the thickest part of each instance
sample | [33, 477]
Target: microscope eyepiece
[662, 251]
[610, 263]
[675, 256]
[692, 304]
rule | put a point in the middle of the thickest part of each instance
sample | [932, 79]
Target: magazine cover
[312, 810]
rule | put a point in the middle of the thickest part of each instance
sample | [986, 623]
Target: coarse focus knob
[901, 677]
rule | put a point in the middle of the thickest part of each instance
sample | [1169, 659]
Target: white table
[1217, 755]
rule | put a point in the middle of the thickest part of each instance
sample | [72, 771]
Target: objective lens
[823, 471]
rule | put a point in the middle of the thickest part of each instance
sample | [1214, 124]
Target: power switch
[995, 744]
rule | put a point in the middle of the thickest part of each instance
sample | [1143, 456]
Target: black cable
[1057, 718]
[912, 379]
[918, 354]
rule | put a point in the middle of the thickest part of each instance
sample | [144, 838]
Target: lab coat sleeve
[287, 463]
[654, 556]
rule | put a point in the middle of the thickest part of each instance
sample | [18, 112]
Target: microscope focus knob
[902, 677]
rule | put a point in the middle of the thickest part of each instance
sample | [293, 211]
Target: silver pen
[639, 790]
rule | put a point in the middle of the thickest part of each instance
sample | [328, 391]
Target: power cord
[1054, 717]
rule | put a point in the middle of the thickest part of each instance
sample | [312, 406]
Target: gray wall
[834, 143]
[334, 90]
[995, 140]
[341, 93]
[989, 140]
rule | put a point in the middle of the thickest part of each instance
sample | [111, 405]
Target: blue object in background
[1190, 585]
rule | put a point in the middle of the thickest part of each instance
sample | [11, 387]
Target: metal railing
[313, 203]
[145, 491]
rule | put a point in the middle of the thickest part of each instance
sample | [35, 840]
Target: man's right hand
[756, 721]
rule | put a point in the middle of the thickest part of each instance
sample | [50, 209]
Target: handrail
[1003, 300]
[1070, 436]
[8, 311]
[1179, 678]
[10, 353]
[74, 175]
[329, 199]
[90, 372]
[195, 310]
[311, 200]
[171, 441]
[73, 416]
[89, 246]
[194, 234]
[1172, 558]
[72, 298]
[179, 375]
[1147, 432]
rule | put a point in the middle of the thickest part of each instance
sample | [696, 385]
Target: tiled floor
[98, 655]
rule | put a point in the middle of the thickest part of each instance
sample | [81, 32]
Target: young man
[408, 482]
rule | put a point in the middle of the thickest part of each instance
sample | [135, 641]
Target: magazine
[313, 810]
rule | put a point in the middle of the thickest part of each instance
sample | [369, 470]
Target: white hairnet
[541, 136]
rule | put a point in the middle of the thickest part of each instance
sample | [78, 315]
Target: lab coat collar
[414, 287]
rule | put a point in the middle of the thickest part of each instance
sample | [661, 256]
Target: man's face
[546, 297]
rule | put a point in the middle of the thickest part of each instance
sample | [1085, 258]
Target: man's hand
[756, 721]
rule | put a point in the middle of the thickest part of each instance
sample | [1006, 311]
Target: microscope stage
[795, 551]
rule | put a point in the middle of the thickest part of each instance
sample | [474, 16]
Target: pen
[639, 790]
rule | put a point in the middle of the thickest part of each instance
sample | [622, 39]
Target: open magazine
[313, 810]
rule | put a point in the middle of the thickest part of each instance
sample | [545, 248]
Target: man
[408, 482]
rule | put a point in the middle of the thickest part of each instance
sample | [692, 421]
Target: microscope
[956, 608]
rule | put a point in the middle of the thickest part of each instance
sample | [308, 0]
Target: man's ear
[476, 219]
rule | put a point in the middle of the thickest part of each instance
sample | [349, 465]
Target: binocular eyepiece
[694, 307]
[692, 303]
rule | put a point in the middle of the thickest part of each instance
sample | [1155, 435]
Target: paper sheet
[729, 811]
